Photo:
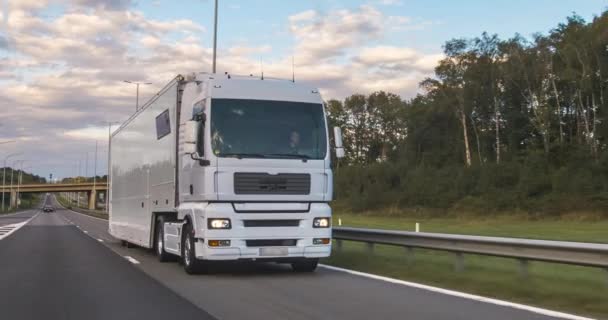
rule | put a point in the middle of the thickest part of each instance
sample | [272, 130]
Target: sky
[63, 63]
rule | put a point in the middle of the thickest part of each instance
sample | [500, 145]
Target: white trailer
[220, 167]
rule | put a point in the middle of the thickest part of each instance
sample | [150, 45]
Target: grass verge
[573, 289]
[579, 290]
[517, 226]
[94, 213]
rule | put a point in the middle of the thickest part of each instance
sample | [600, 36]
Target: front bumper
[239, 234]
[203, 251]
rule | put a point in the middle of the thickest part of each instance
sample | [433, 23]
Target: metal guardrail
[575, 253]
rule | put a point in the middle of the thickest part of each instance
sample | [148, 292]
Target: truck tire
[305, 265]
[159, 241]
[192, 265]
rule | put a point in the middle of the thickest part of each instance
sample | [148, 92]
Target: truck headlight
[321, 223]
[213, 223]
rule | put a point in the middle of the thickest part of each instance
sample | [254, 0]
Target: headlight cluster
[215, 223]
[321, 223]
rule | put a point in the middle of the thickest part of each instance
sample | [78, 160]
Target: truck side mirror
[190, 139]
[190, 130]
[338, 142]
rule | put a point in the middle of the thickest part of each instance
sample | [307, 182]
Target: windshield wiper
[289, 155]
[242, 155]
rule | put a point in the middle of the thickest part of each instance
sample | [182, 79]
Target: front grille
[272, 243]
[271, 223]
[263, 183]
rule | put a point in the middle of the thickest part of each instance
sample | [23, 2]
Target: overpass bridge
[93, 190]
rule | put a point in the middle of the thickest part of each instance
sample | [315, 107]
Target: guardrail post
[523, 268]
[338, 245]
[458, 262]
[409, 255]
[370, 247]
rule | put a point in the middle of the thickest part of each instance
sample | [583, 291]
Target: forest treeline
[515, 124]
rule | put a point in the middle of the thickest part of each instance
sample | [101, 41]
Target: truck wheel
[192, 265]
[159, 243]
[305, 265]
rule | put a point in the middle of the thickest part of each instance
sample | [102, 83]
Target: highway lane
[270, 291]
[51, 270]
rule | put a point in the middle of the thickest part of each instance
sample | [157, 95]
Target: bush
[530, 185]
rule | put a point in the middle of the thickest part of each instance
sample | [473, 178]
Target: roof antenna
[262, 68]
[293, 70]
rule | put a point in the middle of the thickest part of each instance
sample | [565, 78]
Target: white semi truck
[220, 167]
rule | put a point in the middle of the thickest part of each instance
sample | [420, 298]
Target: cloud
[91, 133]
[71, 65]
[398, 58]
[390, 2]
[3, 42]
[104, 4]
[303, 16]
[26, 4]
[324, 37]
[245, 50]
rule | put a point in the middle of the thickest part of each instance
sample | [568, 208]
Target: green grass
[573, 289]
[566, 229]
[95, 213]
[579, 290]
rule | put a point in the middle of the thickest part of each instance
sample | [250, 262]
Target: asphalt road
[16, 217]
[64, 265]
[49, 269]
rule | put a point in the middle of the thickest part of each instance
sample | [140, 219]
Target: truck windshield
[267, 129]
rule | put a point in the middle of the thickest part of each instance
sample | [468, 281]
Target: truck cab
[253, 174]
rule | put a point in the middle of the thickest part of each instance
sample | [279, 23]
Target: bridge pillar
[92, 199]
[13, 199]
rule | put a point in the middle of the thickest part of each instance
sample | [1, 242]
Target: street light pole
[137, 91]
[86, 166]
[4, 175]
[95, 178]
[19, 183]
[11, 187]
[215, 38]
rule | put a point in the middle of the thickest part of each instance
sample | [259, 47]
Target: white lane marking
[85, 231]
[16, 226]
[545, 312]
[131, 259]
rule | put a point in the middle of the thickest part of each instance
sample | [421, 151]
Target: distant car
[48, 209]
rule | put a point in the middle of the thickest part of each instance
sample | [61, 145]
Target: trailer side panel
[143, 168]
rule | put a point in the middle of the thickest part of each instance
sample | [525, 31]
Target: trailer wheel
[159, 241]
[192, 265]
[305, 265]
